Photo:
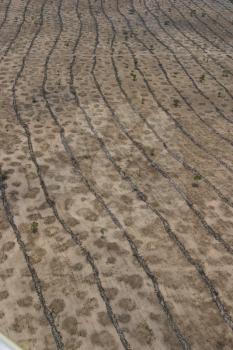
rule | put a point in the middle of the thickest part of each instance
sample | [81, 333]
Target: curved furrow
[220, 38]
[220, 28]
[26, 119]
[142, 197]
[182, 66]
[133, 247]
[178, 125]
[114, 219]
[155, 166]
[12, 41]
[164, 109]
[68, 150]
[174, 55]
[195, 28]
[10, 23]
[184, 69]
[35, 278]
[199, 34]
[189, 203]
[229, 141]
[56, 335]
[208, 125]
[205, 13]
[5, 14]
[51, 203]
[158, 137]
[183, 98]
[218, 13]
[174, 155]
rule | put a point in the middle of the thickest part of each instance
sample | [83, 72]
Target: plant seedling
[34, 227]
[197, 177]
[133, 75]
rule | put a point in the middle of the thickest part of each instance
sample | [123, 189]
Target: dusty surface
[116, 182]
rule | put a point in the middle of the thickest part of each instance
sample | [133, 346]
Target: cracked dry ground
[116, 174]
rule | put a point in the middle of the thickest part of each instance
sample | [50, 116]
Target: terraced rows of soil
[116, 174]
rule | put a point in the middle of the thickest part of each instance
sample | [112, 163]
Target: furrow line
[35, 278]
[178, 125]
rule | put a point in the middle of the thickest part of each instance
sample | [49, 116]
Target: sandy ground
[116, 174]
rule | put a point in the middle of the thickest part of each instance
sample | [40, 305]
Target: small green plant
[134, 76]
[197, 177]
[34, 227]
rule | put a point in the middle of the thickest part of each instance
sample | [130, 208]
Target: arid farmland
[116, 174]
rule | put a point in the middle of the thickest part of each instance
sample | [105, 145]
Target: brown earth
[116, 174]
